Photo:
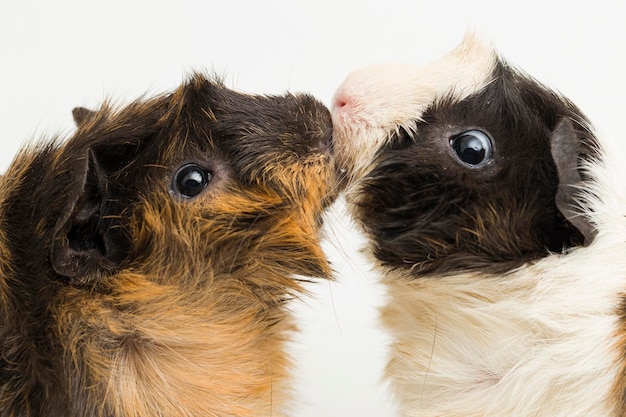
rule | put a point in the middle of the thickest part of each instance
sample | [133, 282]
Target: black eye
[473, 147]
[190, 180]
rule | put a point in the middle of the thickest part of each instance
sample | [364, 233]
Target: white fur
[377, 99]
[543, 340]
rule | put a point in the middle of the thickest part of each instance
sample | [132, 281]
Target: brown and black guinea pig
[496, 218]
[145, 262]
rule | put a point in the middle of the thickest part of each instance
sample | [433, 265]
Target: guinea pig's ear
[81, 114]
[565, 145]
[83, 248]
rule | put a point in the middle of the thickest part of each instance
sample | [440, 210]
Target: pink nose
[343, 101]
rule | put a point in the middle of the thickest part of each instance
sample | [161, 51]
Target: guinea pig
[147, 260]
[496, 219]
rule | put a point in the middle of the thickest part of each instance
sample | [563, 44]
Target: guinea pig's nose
[348, 110]
[343, 101]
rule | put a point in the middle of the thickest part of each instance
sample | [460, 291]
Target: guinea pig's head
[202, 182]
[462, 164]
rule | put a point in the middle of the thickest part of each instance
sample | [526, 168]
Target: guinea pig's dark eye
[190, 180]
[473, 147]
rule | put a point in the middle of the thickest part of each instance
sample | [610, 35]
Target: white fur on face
[374, 101]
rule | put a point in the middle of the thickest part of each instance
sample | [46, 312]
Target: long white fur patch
[377, 100]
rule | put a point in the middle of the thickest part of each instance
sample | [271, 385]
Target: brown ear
[84, 248]
[565, 145]
[81, 115]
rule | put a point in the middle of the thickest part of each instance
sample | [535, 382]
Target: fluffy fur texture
[127, 289]
[503, 265]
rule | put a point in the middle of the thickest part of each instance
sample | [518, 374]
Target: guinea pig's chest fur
[146, 262]
[496, 219]
[542, 341]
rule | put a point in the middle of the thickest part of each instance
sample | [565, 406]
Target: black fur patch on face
[427, 211]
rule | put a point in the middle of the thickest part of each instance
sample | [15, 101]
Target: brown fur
[186, 315]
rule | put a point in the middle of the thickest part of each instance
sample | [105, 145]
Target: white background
[55, 55]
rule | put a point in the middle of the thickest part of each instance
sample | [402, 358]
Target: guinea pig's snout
[348, 117]
[325, 142]
[342, 102]
[345, 109]
[363, 119]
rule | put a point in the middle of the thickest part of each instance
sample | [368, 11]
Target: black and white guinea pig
[496, 218]
[146, 261]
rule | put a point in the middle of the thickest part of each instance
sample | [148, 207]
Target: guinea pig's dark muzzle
[326, 141]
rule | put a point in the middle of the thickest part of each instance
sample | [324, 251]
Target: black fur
[426, 211]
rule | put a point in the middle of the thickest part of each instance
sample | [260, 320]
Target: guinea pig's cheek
[354, 151]
[320, 186]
